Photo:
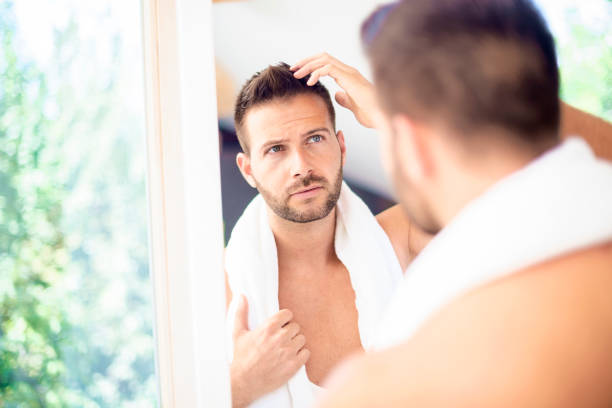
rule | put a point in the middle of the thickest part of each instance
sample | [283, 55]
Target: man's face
[399, 160]
[295, 157]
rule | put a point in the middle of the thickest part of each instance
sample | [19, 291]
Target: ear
[244, 164]
[340, 137]
[413, 148]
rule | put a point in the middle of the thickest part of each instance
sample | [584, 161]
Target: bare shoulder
[541, 337]
[406, 238]
[397, 227]
[596, 131]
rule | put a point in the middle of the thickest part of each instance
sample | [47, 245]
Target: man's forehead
[286, 117]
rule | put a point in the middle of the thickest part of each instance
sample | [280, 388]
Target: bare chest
[323, 304]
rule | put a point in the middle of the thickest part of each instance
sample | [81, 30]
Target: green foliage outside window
[584, 45]
[75, 295]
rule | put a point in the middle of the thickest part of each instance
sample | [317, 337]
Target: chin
[306, 215]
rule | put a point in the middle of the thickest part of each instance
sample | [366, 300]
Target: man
[257, 370]
[509, 305]
[315, 265]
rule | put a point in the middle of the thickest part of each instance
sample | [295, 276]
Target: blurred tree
[32, 250]
[585, 57]
[75, 296]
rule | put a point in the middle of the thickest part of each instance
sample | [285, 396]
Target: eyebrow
[275, 142]
[310, 132]
[271, 143]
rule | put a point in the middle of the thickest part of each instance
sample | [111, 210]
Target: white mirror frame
[184, 192]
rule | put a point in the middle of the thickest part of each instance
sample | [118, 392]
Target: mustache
[305, 182]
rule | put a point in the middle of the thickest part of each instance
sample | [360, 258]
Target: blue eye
[315, 138]
[275, 149]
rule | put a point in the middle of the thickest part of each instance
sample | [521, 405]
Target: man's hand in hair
[358, 93]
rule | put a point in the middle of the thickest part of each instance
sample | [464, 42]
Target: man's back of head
[469, 91]
[471, 65]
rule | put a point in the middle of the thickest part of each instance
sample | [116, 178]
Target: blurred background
[75, 293]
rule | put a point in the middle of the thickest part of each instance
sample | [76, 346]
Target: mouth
[307, 191]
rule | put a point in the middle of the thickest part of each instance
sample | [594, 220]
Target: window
[76, 306]
[111, 283]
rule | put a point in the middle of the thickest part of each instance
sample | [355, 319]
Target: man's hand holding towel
[264, 358]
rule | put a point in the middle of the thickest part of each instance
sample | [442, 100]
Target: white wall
[252, 34]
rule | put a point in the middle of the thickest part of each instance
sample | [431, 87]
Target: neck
[308, 245]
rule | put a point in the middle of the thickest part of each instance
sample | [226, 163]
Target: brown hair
[274, 82]
[469, 64]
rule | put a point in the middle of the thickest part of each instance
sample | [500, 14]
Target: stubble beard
[413, 204]
[282, 208]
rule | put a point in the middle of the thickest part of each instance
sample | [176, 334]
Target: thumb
[344, 100]
[241, 319]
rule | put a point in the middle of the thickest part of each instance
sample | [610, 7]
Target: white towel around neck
[560, 202]
[252, 267]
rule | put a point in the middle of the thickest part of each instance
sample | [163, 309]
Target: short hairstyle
[468, 64]
[275, 82]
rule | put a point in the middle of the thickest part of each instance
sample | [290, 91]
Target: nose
[300, 165]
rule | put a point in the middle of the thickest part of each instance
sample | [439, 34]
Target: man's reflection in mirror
[299, 264]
